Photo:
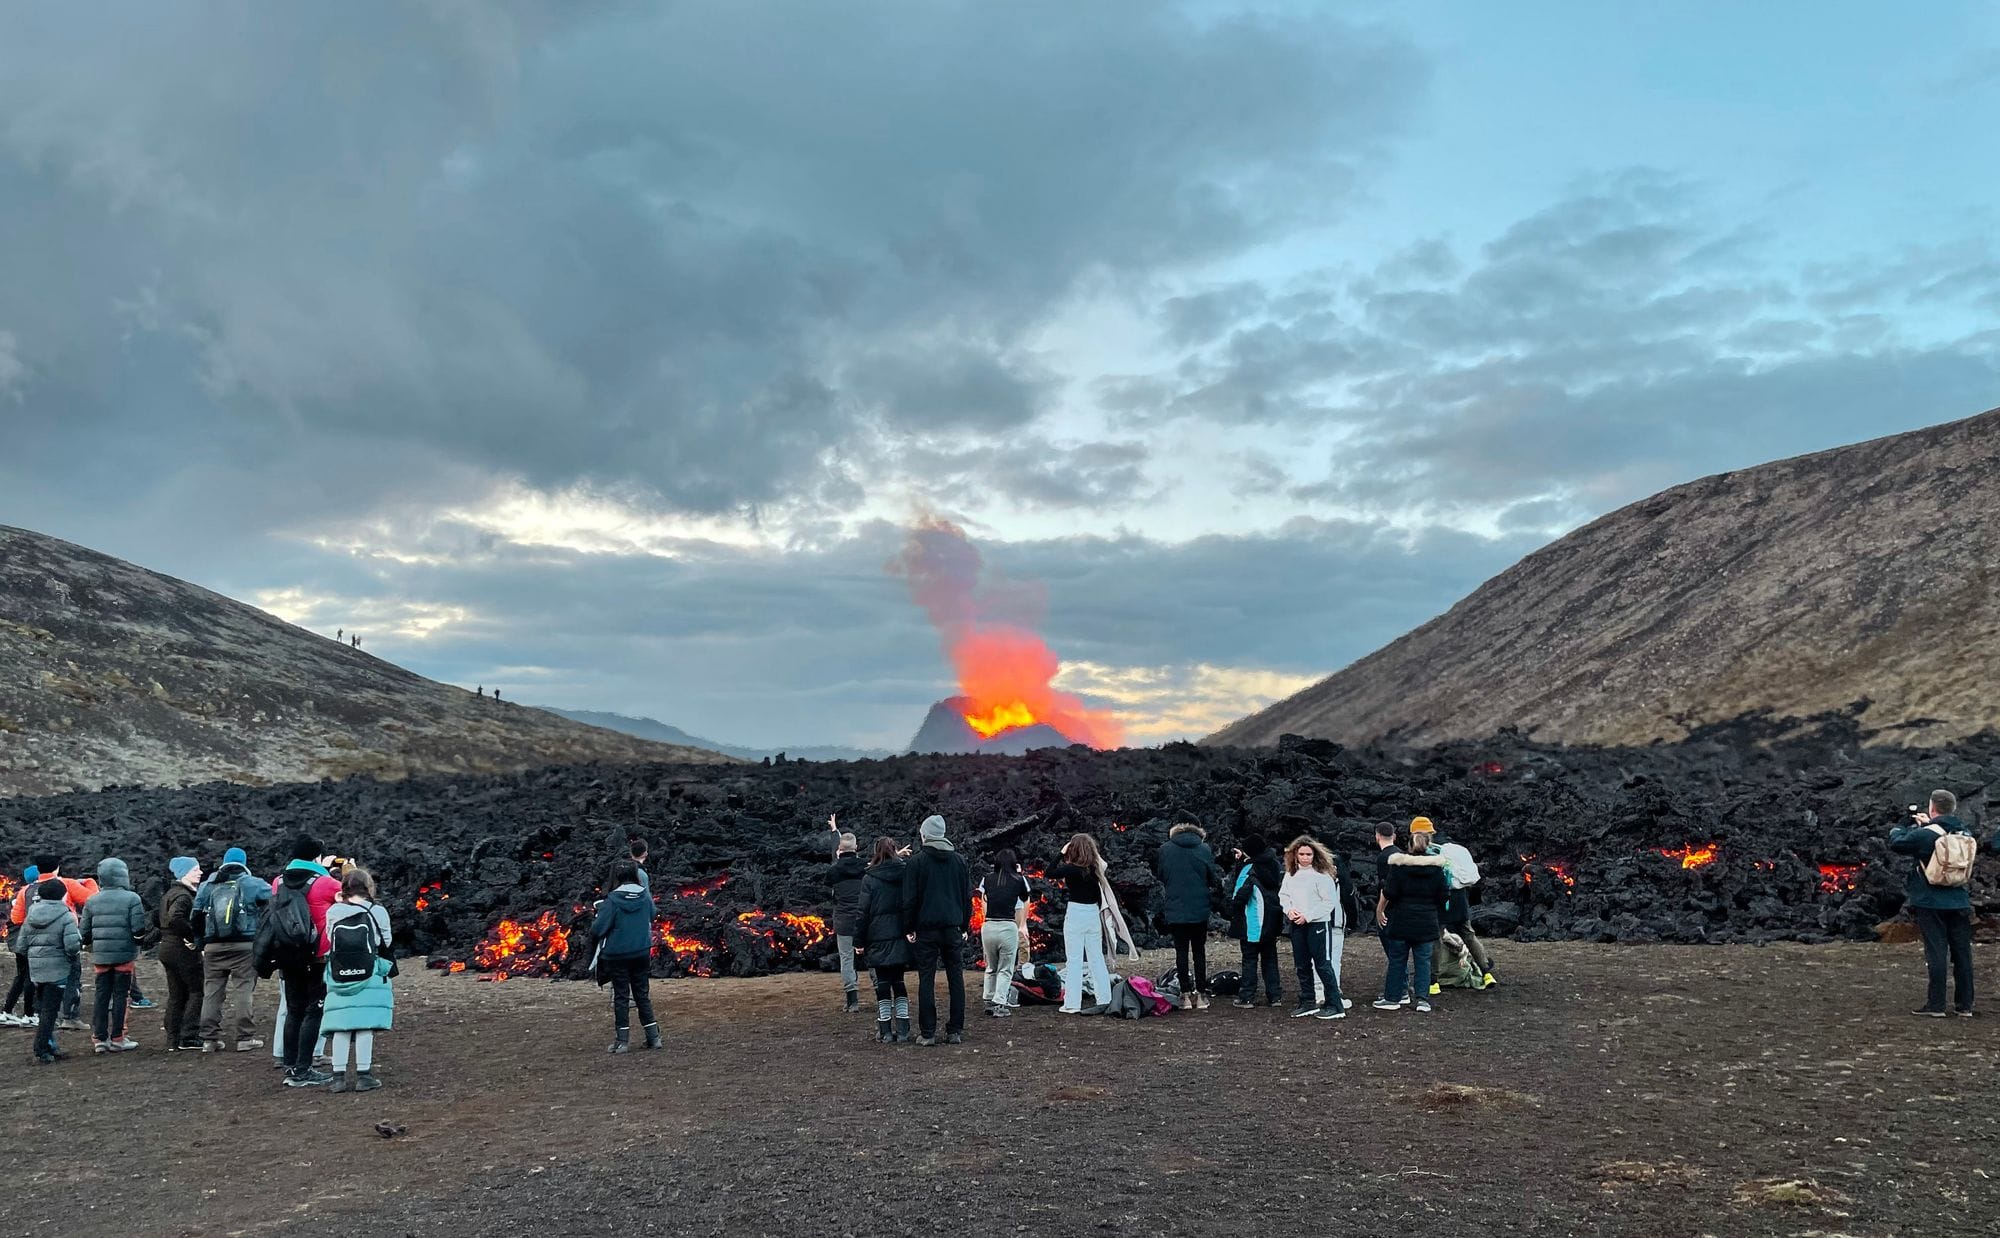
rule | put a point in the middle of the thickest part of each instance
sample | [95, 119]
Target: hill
[661, 732]
[1863, 574]
[114, 675]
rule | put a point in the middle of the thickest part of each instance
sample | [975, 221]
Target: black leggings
[1191, 938]
[23, 990]
[305, 1003]
[889, 983]
[631, 985]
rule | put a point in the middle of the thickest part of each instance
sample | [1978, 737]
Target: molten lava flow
[1555, 868]
[1839, 878]
[531, 947]
[1692, 856]
[689, 950]
[8, 888]
[773, 926]
[430, 895]
[1006, 673]
[978, 912]
[702, 889]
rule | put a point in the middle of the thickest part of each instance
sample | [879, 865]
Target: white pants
[1336, 947]
[1083, 946]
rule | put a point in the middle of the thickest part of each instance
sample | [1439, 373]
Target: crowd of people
[316, 926]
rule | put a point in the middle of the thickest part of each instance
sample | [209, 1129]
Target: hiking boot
[365, 1081]
[1423, 1007]
[954, 1038]
[48, 1059]
[339, 1084]
[1305, 1010]
[901, 1032]
[124, 1044]
[1383, 1003]
[1927, 1013]
[623, 1042]
[1330, 1012]
[853, 1002]
[652, 1035]
[885, 1031]
[307, 1078]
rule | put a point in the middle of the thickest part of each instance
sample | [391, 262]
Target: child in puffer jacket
[50, 939]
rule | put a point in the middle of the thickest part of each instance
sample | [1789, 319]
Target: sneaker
[212, 1046]
[307, 1078]
[1423, 1007]
[925, 1042]
[338, 1085]
[1240, 1004]
[245, 1046]
[11, 1020]
[365, 1081]
[1488, 981]
[1435, 989]
[1966, 1014]
[1928, 1013]
[1404, 1000]
[48, 1059]
[1002, 1012]
[71, 1025]
[104, 1046]
[1305, 1012]
[1383, 1003]
[140, 1003]
[191, 1044]
[1347, 1003]
[1331, 1012]
[954, 1038]
[124, 1044]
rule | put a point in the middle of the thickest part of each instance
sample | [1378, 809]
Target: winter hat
[53, 890]
[1251, 843]
[236, 855]
[1422, 825]
[48, 862]
[30, 875]
[180, 866]
[932, 829]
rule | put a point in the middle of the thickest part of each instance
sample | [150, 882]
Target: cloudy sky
[604, 352]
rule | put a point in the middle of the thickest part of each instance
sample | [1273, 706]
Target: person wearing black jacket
[1943, 914]
[179, 957]
[879, 939]
[937, 914]
[1413, 898]
[843, 881]
[1254, 918]
[1187, 873]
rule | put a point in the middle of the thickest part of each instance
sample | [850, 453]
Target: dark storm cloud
[315, 258]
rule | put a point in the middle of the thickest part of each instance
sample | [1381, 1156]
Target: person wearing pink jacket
[304, 976]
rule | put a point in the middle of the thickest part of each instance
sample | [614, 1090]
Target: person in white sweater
[1310, 900]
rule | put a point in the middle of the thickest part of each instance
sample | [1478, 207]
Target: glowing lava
[430, 895]
[1840, 878]
[1554, 868]
[1692, 856]
[1000, 718]
[524, 947]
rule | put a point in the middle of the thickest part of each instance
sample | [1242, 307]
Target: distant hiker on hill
[54, 946]
[843, 882]
[22, 991]
[114, 928]
[1254, 918]
[359, 966]
[178, 956]
[937, 914]
[1187, 874]
[228, 910]
[1939, 894]
[1006, 893]
[1081, 878]
[1310, 899]
[879, 940]
[623, 930]
[481, 690]
[496, 694]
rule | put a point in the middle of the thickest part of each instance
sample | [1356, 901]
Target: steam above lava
[1005, 671]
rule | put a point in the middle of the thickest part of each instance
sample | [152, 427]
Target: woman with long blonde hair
[1310, 899]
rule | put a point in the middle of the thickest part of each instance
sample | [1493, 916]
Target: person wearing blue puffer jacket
[624, 932]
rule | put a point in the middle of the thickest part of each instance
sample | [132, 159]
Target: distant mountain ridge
[111, 674]
[1868, 573]
[649, 728]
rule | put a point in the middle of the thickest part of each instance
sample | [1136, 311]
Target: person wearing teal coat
[355, 1011]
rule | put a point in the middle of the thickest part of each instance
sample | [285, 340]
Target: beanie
[1251, 843]
[1422, 825]
[53, 890]
[932, 829]
[235, 855]
[180, 866]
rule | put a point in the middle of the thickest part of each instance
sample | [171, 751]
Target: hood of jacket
[112, 874]
[849, 866]
[1188, 839]
[938, 844]
[627, 900]
[44, 913]
[227, 873]
[889, 870]
[301, 878]
[1403, 859]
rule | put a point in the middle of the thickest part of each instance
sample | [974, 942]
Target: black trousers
[182, 1020]
[107, 1014]
[23, 989]
[1261, 954]
[631, 985]
[1191, 939]
[305, 1002]
[889, 983]
[48, 1005]
[1312, 955]
[1947, 941]
[940, 947]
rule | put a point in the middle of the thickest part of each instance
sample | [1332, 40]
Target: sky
[607, 353]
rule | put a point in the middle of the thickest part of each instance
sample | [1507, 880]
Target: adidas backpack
[357, 942]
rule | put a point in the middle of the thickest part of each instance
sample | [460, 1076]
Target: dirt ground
[1598, 1090]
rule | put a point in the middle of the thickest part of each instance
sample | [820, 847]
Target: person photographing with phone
[1939, 893]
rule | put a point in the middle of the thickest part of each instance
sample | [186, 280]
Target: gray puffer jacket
[114, 921]
[50, 939]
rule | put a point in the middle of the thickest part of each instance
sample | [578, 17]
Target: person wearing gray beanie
[937, 914]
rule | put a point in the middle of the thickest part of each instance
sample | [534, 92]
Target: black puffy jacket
[1187, 872]
[844, 882]
[879, 929]
[1416, 890]
[937, 891]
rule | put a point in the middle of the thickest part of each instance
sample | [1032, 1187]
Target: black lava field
[1748, 833]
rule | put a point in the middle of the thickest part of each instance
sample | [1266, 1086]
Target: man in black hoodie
[844, 882]
[937, 913]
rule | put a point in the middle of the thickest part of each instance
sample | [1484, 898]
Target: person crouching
[624, 932]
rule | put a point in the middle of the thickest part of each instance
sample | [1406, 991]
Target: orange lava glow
[978, 913]
[772, 925]
[1554, 868]
[1692, 856]
[8, 889]
[1840, 878]
[430, 895]
[540, 945]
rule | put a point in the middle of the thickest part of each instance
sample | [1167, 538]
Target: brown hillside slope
[1801, 586]
[111, 674]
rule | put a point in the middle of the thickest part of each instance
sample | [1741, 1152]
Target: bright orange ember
[1692, 856]
[1840, 878]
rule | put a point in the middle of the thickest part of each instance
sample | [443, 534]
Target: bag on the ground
[1169, 984]
[1125, 1002]
[1951, 859]
[1454, 966]
[1225, 983]
[356, 946]
[1151, 1000]
[1038, 985]
[1464, 869]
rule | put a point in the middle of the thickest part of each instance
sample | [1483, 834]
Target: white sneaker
[1423, 1007]
[1347, 1003]
[14, 1020]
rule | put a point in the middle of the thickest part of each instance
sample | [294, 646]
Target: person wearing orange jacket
[77, 892]
[23, 990]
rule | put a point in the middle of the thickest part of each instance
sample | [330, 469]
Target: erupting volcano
[1007, 700]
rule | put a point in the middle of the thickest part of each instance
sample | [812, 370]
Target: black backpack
[357, 942]
[292, 929]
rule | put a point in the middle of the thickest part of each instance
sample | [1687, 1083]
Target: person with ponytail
[880, 943]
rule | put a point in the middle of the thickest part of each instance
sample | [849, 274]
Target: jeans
[1083, 950]
[1191, 939]
[1000, 944]
[229, 983]
[305, 1002]
[1947, 940]
[939, 947]
[1263, 953]
[845, 944]
[23, 988]
[631, 985]
[114, 989]
[1312, 955]
[1401, 953]
[49, 996]
[182, 1019]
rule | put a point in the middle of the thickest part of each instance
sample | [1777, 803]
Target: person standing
[53, 946]
[937, 914]
[359, 966]
[296, 927]
[624, 930]
[1386, 850]
[76, 892]
[1187, 874]
[1254, 918]
[228, 910]
[1081, 878]
[114, 929]
[1939, 893]
[843, 883]
[1006, 927]
[1414, 898]
[881, 943]
[22, 991]
[1310, 900]
[178, 956]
